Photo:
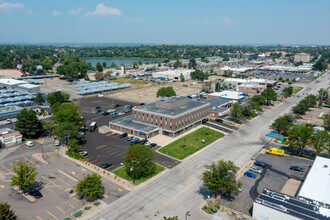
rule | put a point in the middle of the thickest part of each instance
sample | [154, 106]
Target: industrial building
[302, 57]
[312, 202]
[173, 74]
[228, 95]
[19, 85]
[170, 116]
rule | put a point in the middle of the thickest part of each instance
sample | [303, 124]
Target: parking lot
[55, 181]
[274, 177]
[109, 147]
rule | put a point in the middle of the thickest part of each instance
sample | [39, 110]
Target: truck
[92, 126]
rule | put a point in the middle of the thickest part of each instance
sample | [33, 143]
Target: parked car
[147, 143]
[111, 110]
[8, 121]
[129, 138]
[153, 145]
[35, 193]
[98, 107]
[82, 141]
[114, 115]
[127, 110]
[296, 168]
[143, 141]
[219, 120]
[249, 174]
[255, 169]
[98, 111]
[101, 95]
[120, 113]
[57, 142]
[83, 153]
[117, 105]
[276, 152]
[142, 103]
[105, 113]
[29, 143]
[123, 135]
[260, 164]
[134, 142]
[106, 165]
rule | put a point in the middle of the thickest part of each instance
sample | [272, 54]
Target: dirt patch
[291, 187]
[10, 73]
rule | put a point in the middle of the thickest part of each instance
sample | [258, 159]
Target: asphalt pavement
[181, 189]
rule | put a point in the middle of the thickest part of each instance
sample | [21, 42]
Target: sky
[220, 22]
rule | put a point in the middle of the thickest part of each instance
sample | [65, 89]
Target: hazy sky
[165, 21]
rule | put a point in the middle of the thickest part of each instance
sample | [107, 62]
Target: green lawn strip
[297, 89]
[122, 173]
[191, 143]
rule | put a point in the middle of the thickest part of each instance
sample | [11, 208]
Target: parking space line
[8, 170]
[52, 182]
[19, 148]
[67, 189]
[93, 160]
[108, 167]
[77, 200]
[31, 162]
[110, 134]
[49, 189]
[73, 194]
[98, 163]
[71, 206]
[119, 189]
[12, 164]
[52, 215]
[107, 148]
[60, 209]
[43, 195]
[112, 149]
[60, 179]
[121, 154]
[117, 151]
[39, 218]
[100, 147]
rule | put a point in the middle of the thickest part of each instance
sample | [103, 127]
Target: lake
[127, 61]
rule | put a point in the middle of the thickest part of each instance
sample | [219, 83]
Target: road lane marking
[52, 182]
[60, 209]
[100, 147]
[77, 200]
[193, 173]
[182, 191]
[52, 215]
[119, 189]
[49, 189]
[31, 162]
[60, 179]
[39, 218]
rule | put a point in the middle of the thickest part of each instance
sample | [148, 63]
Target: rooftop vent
[325, 166]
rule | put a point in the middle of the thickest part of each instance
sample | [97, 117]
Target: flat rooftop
[299, 208]
[216, 102]
[127, 122]
[317, 183]
[171, 112]
[233, 95]
[12, 81]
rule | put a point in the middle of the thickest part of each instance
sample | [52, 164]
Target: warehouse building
[169, 116]
[19, 85]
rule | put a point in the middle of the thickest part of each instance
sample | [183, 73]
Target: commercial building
[250, 89]
[302, 57]
[228, 95]
[219, 107]
[286, 69]
[312, 202]
[19, 85]
[168, 116]
[9, 137]
[173, 74]
[262, 82]
[237, 70]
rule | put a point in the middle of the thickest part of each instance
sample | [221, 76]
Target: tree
[182, 77]
[217, 87]
[113, 65]
[237, 111]
[320, 141]
[104, 64]
[171, 218]
[47, 64]
[176, 64]
[25, 176]
[248, 111]
[192, 63]
[221, 177]
[323, 96]
[225, 59]
[99, 76]
[90, 187]
[269, 94]
[6, 213]
[199, 75]
[28, 124]
[228, 73]
[39, 99]
[159, 64]
[281, 126]
[57, 97]
[320, 65]
[141, 157]
[287, 92]
[299, 136]
[166, 92]
[74, 68]
[326, 121]
[99, 67]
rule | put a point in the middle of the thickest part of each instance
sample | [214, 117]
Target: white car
[101, 95]
[83, 153]
[57, 142]
[111, 110]
[120, 113]
[29, 143]
[8, 121]
[255, 169]
[148, 143]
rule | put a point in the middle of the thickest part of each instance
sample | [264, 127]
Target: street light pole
[186, 215]
[132, 158]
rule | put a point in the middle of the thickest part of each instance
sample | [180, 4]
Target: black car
[106, 165]
[296, 168]
[98, 111]
[142, 103]
[82, 141]
[219, 120]
[260, 163]
[117, 105]
[105, 113]
[98, 107]
[123, 135]
[143, 141]
[134, 142]
[35, 193]
[153, 145]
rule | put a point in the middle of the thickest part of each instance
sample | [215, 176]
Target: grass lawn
[134, 82]
[191, 143]
[297, 89]
[122, 173]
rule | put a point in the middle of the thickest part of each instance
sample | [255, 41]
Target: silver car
[255, 169]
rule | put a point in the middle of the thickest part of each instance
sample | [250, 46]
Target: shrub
[96, 203]
[214, 209]
[88, 207]
[78, 213]
[67, 218]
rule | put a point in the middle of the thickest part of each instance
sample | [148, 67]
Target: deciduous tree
[237, 111]
[320, 141]
[28, 124]
[90, 187]
[166, 92]
[39, 99]
[6, 213]
[25, 176]
[269, 94]
[300, 137]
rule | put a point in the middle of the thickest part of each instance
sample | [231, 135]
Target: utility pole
[132, 158]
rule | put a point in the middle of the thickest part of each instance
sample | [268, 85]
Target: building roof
[127, 122]
[232, 95]
[12, 81]
[220, 110]
[15, 133]
[252, 85]
[291, 206]
[317, 183]
[218, 102]
[29, 86]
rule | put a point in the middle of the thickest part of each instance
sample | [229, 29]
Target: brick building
[168, 116]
